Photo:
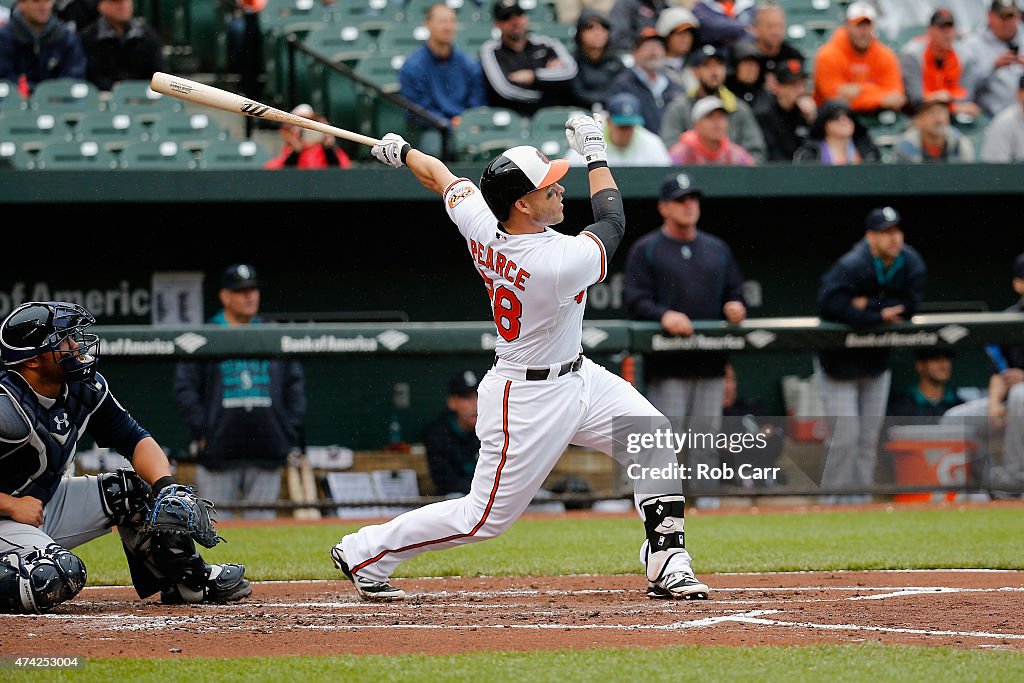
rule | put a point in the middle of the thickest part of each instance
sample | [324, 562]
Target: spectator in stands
[724, 22]
[709, 66]
[770, 38]
[993, 58]
[855, 66]
[629, 143]
[880, 280]
[837, 139]
[647, 79]
[931, 68]
[440, 77]
[523, 70]
[245, 415]
[77, 14]
[708, 141]
[675, 275]
[933, 393]
[450, 438]
[245, 45]
[630, 17]
[1004, 137]
[931, 136]
[1003, 406]
[38, 46]
[598, 64]
[744, 78]
[119, 46]
[305, 148]
[569, 11]
[679, 27]
[786, 114]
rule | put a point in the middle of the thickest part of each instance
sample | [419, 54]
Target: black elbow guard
[609, 219]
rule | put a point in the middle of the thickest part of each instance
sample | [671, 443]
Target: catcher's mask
[56, 327]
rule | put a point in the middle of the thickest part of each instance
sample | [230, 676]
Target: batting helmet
[36, 327]
[516, 172]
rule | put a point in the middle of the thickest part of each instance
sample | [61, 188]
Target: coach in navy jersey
[675, 275]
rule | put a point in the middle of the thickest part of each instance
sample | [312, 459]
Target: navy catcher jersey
[39, 436]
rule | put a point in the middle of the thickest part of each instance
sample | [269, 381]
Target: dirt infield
[969, 608]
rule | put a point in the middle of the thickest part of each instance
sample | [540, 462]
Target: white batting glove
[389, 151]
[586, 138]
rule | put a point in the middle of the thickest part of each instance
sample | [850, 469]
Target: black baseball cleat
[224, 583]
[367, 589]
[677, 585]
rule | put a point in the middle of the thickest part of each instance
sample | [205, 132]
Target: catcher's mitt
[177, 509]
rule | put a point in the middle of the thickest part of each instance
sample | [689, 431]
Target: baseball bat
[207, 95]
[309, 486]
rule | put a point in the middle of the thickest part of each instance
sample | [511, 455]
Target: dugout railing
[627, 341]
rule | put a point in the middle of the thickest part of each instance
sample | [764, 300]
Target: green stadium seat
[10, 98]
[369, 15]
[549, 122]
[191, 130]
[13, 156]
[484, 130]
[276, 30]
[471, 37]
[234, 155]
[153, 155]
[66, 98]
[113, 131]
[402, 38]
[382, 69]
[346, 44]
[136, 99]
[33, 130]
[336, 96]
[77, 156]
[414, 11]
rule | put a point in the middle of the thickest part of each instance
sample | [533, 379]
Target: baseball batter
[542, 393]
[50, 397]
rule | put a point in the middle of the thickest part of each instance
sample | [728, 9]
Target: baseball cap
[933, 101]
[674, 19]
[861, 11]
[506, 9]
[790, 70]
[304, 110]
[881, 219]
[942, 17]
[744, 49]
[645, 34]
[624, 110]
[239, 276]
[678, 185]
[705, 53]
[705, 106]
[1018, 266]
[463, 384]
[1004, 6]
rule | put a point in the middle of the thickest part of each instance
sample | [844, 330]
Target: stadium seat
[402, 38]
[483, 130]
[415, 11]
[10, 98]
[66, 98]
[136, 99]
[471, 37]
[111, 130]
[336, 43]
[369, 15]
[151, 155]
[382, 69]
[336, 96]
[191, 130]
[550, 121]
[276, 31]
[234, 155]
[13, 156]
[77, 156]
[33, 130]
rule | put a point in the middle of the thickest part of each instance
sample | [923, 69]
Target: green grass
[813, 664]
[877, 539]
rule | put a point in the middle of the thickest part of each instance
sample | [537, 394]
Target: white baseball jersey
[537, 283]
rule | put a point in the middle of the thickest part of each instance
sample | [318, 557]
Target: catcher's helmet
[59, 327]
[515, 172]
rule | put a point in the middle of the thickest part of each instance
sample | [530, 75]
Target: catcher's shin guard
[40, 579]
[663, 521]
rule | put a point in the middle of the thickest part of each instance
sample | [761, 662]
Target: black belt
[539, 374]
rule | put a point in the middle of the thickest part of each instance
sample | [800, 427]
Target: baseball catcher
[50, 397]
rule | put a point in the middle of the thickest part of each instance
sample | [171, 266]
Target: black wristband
[597, 164]
[405, 152]
[162, 482]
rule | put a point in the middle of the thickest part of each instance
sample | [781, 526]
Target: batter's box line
[754, 617]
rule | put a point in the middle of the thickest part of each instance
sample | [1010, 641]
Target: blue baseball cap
[624, 110]
[882, 219]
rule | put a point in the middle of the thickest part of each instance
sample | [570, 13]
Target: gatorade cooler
[933, 458]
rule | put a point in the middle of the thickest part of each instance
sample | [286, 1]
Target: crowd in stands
[867, 91]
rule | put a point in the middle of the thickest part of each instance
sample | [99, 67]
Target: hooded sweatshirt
[877, 71]
[55, 52]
